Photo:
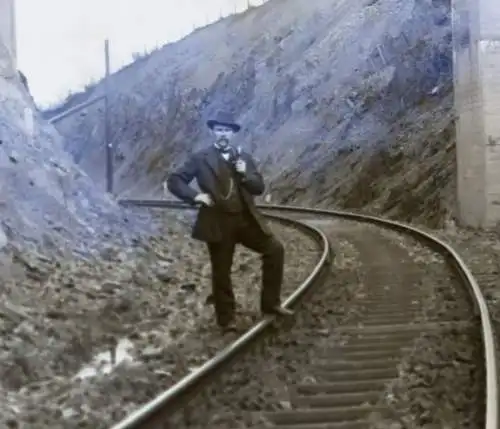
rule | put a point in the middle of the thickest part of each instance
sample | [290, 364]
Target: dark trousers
[242, 229]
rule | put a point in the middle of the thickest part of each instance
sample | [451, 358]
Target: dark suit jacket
[204, 167]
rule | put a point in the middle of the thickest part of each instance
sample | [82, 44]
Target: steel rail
[58, 117]
[453, 258]
[154, 413]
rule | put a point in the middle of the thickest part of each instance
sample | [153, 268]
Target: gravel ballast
[63, 322]
[259, 382]
[440, 383]
[440, 378]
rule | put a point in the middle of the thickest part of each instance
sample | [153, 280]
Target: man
[229, 180]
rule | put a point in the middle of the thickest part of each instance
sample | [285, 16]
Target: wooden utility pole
[107, 139]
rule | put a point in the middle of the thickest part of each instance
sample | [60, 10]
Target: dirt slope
[408, 176]
[307, 80]
[47, 203]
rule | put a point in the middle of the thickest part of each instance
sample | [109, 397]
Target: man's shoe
[279, 311]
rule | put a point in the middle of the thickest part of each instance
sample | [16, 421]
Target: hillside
[325, 90]
[47, 203]
[409, 176]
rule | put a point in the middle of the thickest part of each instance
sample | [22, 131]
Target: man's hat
[224, 118]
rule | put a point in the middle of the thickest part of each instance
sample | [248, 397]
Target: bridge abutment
[476, 34]
[8, 49]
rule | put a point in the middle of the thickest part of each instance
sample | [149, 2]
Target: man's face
[223, 134]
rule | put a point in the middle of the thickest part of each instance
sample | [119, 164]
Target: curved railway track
[352, 374]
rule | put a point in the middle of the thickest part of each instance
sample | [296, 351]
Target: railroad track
[353, 363]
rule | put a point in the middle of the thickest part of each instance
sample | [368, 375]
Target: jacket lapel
[212, 158]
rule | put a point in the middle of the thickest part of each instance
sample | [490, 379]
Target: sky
[60, 43]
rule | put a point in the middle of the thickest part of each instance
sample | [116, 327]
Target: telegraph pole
[107, 139]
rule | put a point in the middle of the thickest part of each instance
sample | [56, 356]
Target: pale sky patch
[60, 43]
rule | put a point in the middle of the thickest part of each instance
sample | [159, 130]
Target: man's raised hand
[241, 166]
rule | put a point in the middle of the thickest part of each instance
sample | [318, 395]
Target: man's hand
[241, 166]
[204, 199]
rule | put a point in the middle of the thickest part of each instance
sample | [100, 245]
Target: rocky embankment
[47, 203]
[311, 83]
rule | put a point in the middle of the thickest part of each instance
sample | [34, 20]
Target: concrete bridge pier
[476, 38]
[8, 49]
